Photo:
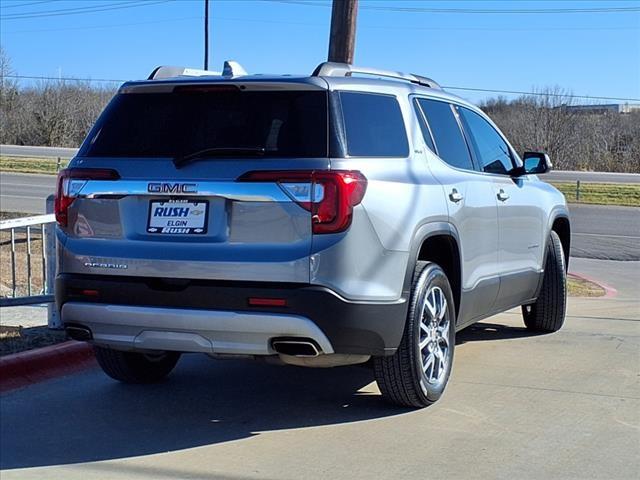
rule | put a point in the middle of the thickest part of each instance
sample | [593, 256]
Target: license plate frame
[194, 223]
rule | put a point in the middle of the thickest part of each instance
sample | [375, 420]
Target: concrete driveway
[519, 405]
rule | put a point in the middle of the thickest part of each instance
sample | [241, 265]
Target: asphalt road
[605, 232]
[26, 151]
[518, 405]
[25, 192]
[595, 177]
[553, 176]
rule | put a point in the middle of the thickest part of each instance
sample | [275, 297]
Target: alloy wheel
[434, 338]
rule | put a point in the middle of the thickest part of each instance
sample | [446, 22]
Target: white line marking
[22, 196]
[43, 185]
[606, 235]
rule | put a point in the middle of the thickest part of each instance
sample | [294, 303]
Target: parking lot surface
[565, 405]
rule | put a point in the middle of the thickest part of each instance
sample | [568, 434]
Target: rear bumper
[215, 317]
[187, 330]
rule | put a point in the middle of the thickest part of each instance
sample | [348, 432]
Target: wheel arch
[562, 226]
[437, 242]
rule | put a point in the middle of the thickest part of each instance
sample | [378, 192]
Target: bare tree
[607, 141]
[8, 95]
[60, 113]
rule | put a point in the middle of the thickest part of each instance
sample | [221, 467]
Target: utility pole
[343, 31]
[206, 34]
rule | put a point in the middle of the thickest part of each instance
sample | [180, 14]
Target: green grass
[579, 287]
[31, 165]
[602, 193]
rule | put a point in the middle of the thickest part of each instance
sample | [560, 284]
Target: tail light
[70, 182]
[329, 195]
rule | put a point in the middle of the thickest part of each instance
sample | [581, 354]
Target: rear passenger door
[520, 218]
[472, 206]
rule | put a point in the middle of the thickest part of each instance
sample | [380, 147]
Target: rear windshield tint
[284, 123]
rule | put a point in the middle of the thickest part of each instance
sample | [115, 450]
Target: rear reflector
[329, 195]
[267, 302]
[90, 293]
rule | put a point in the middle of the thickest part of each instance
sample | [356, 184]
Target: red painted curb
[609, 292]
[34, 366]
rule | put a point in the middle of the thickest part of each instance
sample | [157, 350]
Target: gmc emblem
[172, 187]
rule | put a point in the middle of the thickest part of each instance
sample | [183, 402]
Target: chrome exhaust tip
[78, 332]
[296, 348]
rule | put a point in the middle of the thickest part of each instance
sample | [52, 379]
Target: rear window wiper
[183, 160]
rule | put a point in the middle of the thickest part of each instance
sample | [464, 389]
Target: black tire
[401, 377]
[133, 367]
[548, 312]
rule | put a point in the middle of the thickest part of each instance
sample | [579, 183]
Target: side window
[491, 150]
[426, 134]
[451, 145]
[374, 125]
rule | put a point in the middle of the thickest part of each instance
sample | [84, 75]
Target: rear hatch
[162, 186]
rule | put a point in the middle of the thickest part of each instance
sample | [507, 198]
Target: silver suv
[354, 215]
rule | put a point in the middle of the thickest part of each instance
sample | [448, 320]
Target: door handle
[455, 196]
[503, 196]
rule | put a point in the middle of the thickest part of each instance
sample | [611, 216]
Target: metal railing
[36, 260]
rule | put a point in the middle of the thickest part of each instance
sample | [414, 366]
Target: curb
[33, 366]
[609, 292]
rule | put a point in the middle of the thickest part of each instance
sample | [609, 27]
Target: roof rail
[335, 69]
[231, 69]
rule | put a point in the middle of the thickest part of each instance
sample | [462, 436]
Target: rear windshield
[283, 123]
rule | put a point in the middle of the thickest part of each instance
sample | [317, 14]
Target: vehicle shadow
[88, 417]
[483, 331]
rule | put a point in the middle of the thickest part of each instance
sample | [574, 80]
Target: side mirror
[536, 163]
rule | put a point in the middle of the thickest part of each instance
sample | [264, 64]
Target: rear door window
[491, 150]
[449, 140]
[374, 126]
[290, 123]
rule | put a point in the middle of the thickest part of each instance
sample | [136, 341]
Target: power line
[72, 9]
[93, 27]
[449, 87]
[81, 10]
[541, 94]
[467, 10]
[64, 79]
[403, 27]
[26, 4]
[505, 11]
[310, 24]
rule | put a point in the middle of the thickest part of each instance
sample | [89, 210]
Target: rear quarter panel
[370, 262]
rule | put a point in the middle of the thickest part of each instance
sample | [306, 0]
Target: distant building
[604, 108]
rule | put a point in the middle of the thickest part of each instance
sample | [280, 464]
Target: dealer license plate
[178, 217]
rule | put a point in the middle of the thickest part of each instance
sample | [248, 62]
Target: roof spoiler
[231, 69]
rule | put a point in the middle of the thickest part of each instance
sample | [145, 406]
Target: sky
[491, 45]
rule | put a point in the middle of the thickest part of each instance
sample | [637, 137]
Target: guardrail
[37, 259]
[31, 261]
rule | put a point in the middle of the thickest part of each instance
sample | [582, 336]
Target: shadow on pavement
[88, 417]
[492, 331]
